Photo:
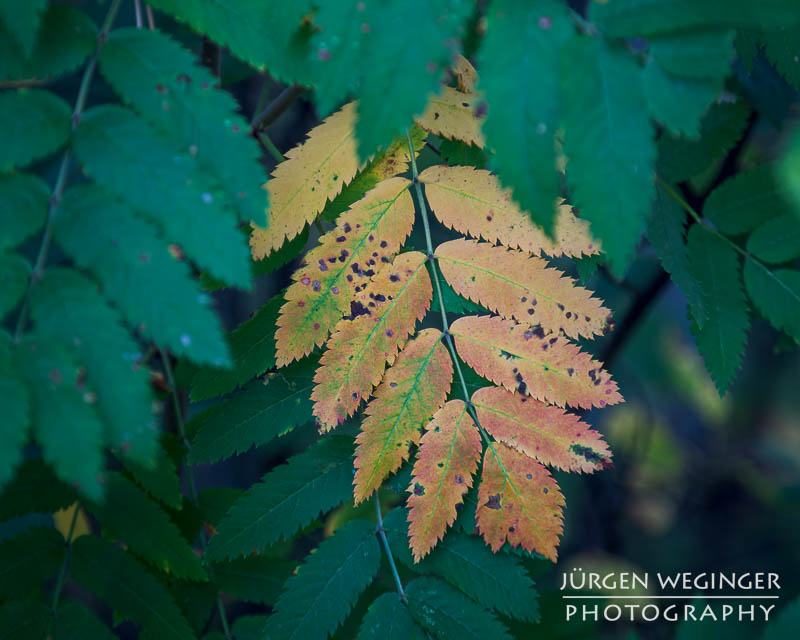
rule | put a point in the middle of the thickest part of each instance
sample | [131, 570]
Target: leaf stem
[63, 572]
[269, 145]
[275, 108]
[189, 469]
[382, 534]
[61, 179]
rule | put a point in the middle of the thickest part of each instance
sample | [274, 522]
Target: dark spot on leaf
[419, 490]
[494, 502]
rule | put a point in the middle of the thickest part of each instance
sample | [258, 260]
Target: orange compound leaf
[551, 435]
[472, 202]
[518, 501]
[522, 287]
[383, 314]
[313, 173]
[527, 360]
[411, 392]
[451, 114]
[366, 237]
[447, 459]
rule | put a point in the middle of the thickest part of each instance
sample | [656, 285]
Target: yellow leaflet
[365, 238]
[472, 202]
[382, 316]
[451, 114]
[465, 74]
[313, 172]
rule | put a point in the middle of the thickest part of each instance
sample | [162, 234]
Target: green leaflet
[75, 622]
[780, 46]
[160, 481]
[743, 202]
[66, 37]
[197, 602]
[706, 53]
[22, 20]
[721, 340]
[776, 294]
[455, 152]
[124, 154]
[249, 627]
[215, 503]
[14, 273]
[34, 489]
[25, 197]
[160, 79]
[447, 614]
[678, 102]
[145, 528]
[68, 307]
[100, 566]
[29, 560]
[267, 35]
[523, 42]
[14, 426]
[152, 289]
[388, 618]
[289, 497]
[252, 348]
[265, 409]
[33, 124]
[24, 619]
[665, 232]
[777, 240]
[257, 578]
[317, 599]
[723, 125]
[608, 143]
[395, 84]
[62, 412]
[496, 581]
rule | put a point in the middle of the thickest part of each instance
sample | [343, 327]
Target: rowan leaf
[776, 294]
[22, 19]
[777, 240]
[519, 502]
[257, 578]
[34, 488]
[552, 436]
[413, 390]
[29, 559]
[289, 497]
[447, 459]
[25, 196]
[780, 47]
[383, 314]
[319, 596]
[472, 202]
[15, 273]
[33, 124]
[451, 114]
[697, 53]
[525, 359]
[161, 480]
[313, 173]
[75, 622]
[325, 286]
[16, 420]
[24, 619]
[522, 287]
[388, 618]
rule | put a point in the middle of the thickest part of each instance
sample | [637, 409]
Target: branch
[382, 534]
[276, 107]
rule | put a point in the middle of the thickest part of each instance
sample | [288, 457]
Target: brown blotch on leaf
[494, 502]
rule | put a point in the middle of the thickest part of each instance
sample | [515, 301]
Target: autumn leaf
[451, 114]
[411, 392]
[473, 202]
[465, 74]
[522, 287]
[549, 434]
[382, 316]
[447, 459]
[525, 359]
[365, 238]
[313, 173]
[519, 502]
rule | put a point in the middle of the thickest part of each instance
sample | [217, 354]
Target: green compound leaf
[447, 613]
[777, 240]
[523, 42]
[706, 53]
[152, 289]
[396, 82]
[34, 489]
[33, 124]
[14, 274]
[665, 232]
[68, 307]
[24, 197]
[264, 410]
[256, 578]
[776, 294]
[145, 528]
[266, 35]
[76, 622]
[126, 155]
[24, 619]
[781, 46]
[252, 347]
[22, 20]
[721, 340]
[388, 618]
[317, 599]
[160, 79]
[743, 202]
[608, 140]
[29, 560]
[14, 427]
[66, 38]
[98, 565]
[62, 412]
[287, 498]
[161, 481]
